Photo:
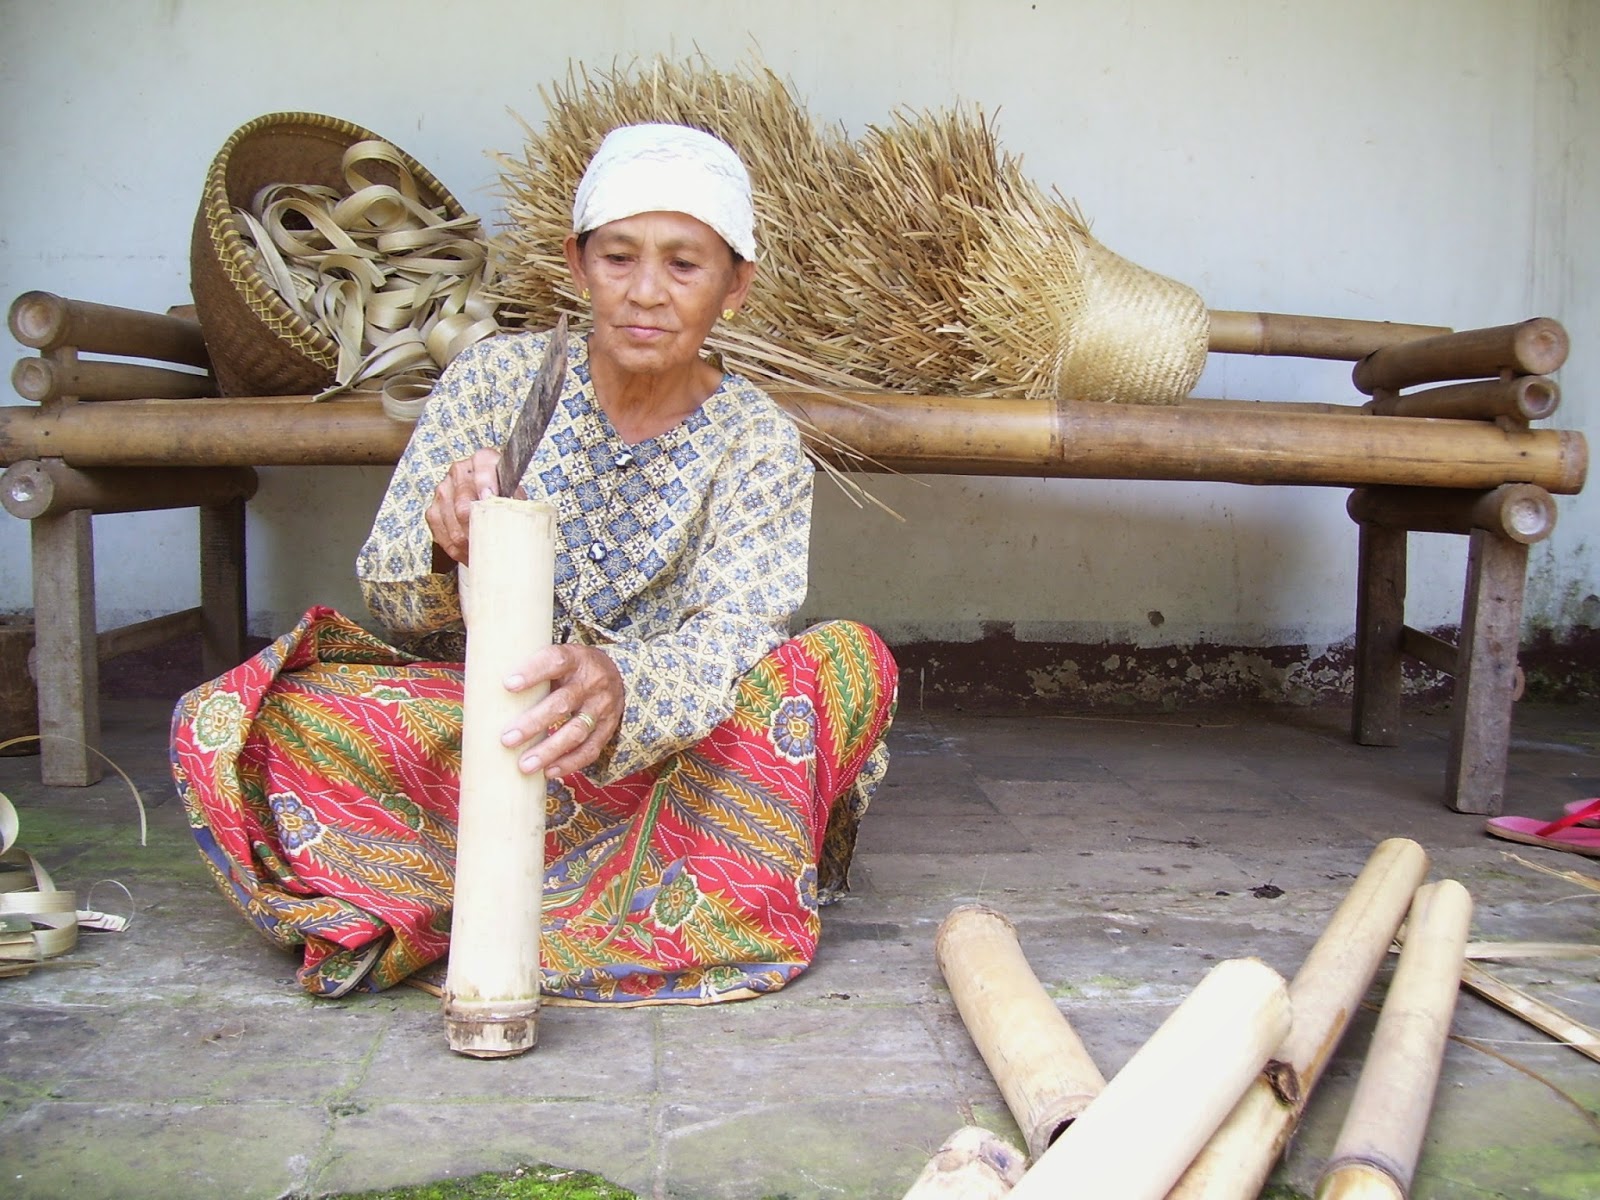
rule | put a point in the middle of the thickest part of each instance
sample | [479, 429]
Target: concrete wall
[1430, 160]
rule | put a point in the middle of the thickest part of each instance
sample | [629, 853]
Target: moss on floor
[541, 1182]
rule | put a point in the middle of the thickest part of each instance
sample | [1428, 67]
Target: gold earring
[727, 314]
[584, 296]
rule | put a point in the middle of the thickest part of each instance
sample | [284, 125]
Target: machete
[516, 452]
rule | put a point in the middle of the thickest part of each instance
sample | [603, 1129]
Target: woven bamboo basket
[258, 345]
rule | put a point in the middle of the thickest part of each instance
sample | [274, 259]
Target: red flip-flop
[1564, 834]
[1587, 811]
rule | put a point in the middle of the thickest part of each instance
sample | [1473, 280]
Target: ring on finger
[588, 721]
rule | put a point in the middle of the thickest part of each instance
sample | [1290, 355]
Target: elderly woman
[706, 772]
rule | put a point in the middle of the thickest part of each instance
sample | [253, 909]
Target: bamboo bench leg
[1380, 620]
[222, 586]
[1486, 671]
[65, 638]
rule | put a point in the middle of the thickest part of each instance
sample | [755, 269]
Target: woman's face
[657, 282]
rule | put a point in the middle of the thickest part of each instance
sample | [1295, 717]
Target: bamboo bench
[107, 435]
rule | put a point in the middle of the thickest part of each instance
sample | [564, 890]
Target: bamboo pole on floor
[1376, 1152]
[1325, 993]
[973, 1164]
[1179, 1084]
[491, 991]
[1035, 1056]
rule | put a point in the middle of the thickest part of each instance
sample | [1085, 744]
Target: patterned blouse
[682, 557]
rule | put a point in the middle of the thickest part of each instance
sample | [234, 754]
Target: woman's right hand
[467, 480]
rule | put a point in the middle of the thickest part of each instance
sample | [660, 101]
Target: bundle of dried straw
[916, 258]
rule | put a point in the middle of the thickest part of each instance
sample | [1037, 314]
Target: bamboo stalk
[938, 435]
[1536, 347]
[1035, 1056]
[1522, 512]
[1325, 994]
[34, 488]
[973, 1164]
[1543, 1017]
[1521, 398]
[1140, 1133]
[1308, 337]
[45, 379]
[491, 993]
[43, 321]
[1376, 1151]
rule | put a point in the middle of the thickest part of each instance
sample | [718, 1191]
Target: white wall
[1412, 160]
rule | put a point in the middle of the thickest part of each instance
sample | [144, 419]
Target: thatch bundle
[917, 258]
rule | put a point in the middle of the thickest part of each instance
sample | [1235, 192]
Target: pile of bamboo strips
[1226, 1077]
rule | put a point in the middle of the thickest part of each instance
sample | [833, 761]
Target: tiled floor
[178, 1059]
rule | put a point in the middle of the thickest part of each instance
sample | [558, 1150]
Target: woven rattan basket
[258, 345]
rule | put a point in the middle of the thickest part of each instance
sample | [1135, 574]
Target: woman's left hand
[579, 716]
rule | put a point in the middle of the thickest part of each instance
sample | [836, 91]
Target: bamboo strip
[1308, 337]
[1543, 1017]
[1506, 951]
[938, 435]
[1521, 398]
[1035, 1056]
[1535, 347]
[1325, 994]
[973, 1164]
[37, 488]
[491, 993]
[44, 321]
[1522, 512]
[1376, 1152]
[45, 380]
[1137, 1137]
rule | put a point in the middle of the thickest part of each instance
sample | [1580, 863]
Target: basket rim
[225, 232]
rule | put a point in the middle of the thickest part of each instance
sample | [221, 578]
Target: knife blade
[516, 452]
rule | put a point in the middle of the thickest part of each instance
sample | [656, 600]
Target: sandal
[1590, 814]
[1563, 834]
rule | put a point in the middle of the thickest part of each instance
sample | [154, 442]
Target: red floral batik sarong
[320, 779]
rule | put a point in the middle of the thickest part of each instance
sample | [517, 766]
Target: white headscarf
[668, 168]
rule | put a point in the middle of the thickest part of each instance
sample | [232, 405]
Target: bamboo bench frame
[113, 436]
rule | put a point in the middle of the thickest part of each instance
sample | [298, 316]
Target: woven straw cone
[917, 258]
[258, 345]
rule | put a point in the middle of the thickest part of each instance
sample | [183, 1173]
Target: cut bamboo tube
[1523, 512]
[1522, 398]
[1535, 347]
[1543, 1017]
[939, 435]
[1376, 1152]
[43, 321]
[1325, 994]
[1135, 1140]
[34, 488]
[491, 991]
[1035, 1056]
[44, 380]
[1308, 337]
[973, 1164]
